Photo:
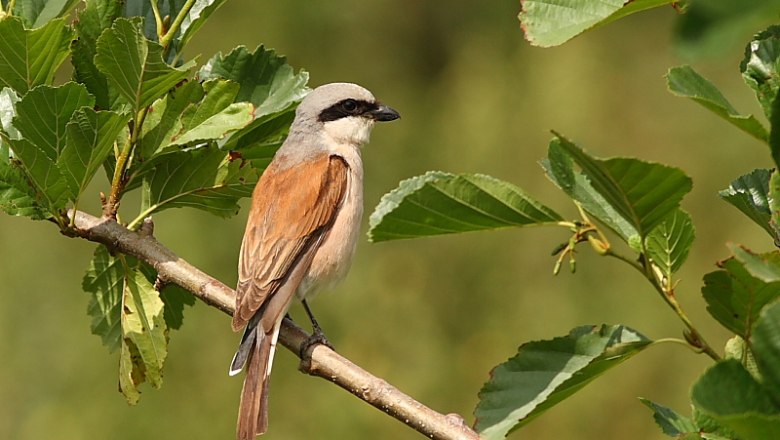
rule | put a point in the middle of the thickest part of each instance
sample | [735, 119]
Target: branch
[319, 360]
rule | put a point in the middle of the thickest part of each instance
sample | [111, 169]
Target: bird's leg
[317, 335]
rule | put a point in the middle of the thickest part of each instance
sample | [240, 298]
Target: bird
[302, 230]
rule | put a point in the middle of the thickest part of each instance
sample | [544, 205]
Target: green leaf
[735, 297]
[49, 183]
[559, 168]
[553, 22]
[633, 195]
[17, 197]
[544, 373]
[442, 203]
[685, 82]
[671, 423]
[204, 178]
[766, 349]
[668, 243]
[97, 16]
[130, 377]
[44, 112]
[215, 116]
[759, 67]
[30, 57]
[750, 194]
[134, 65]
[173, 296]
[197, 16]
[91, 137]
[163, 120]
[764, 267]
[774, 204]
[266, 80]
[259, 141]
[729, 395]
[36, 13]
[143, 326]
[104, 280]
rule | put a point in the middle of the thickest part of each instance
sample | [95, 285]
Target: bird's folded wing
[292, 208]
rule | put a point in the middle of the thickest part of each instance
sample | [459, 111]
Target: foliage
[135, 108]
[199, 137]
[639, 203]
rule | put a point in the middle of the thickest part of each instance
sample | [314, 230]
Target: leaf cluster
[182, 136]
[637, 203]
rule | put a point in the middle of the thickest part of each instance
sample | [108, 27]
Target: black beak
[384, 113]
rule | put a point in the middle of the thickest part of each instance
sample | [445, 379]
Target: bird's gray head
[343, 112]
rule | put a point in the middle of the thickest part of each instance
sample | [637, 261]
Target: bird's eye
[349, 105]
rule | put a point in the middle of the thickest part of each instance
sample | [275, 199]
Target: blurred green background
[431, 316]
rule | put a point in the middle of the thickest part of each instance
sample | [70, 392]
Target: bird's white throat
[350, 130]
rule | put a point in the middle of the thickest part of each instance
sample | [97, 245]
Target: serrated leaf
[559, 168]
[215, 116]
[91, 137]
[205, 178]
[49, 183]
[728, 394]
[685, 82]
[104, 280]
[266, 80]
[671, 423]
[764, 267]
[544, 373]
[442, 203]
[96, 17]
[17, 197]
[130, 377]
[759, 66]
[200, 12]
[553, 22]
[29, 58]
[668, 243]
[750, 194]
[735, 297]
[633, 195]
[191, 114]
[259, 141]
[163, 121]
[173, 296]
[36, 13]
[766, 350]
[44, 112]
[134, 65]
[143, 325]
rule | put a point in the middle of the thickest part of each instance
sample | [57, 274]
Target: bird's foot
[316, 338]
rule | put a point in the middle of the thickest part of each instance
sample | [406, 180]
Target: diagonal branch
[320, 360]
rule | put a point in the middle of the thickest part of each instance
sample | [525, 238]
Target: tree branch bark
[319, 361]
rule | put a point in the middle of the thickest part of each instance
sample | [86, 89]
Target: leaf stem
[170, 33]
[679, 341]
[118, 181]
[10, 8]
[693, 337]
[158, 20]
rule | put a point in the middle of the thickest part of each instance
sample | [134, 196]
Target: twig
[322, 361]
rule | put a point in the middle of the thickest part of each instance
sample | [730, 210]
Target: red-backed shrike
[302, 229]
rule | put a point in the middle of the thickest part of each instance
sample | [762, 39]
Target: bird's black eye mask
[348, 107]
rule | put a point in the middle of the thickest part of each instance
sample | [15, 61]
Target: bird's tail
[253, 410]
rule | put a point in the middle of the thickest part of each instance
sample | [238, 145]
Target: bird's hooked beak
[384, 113]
